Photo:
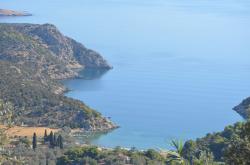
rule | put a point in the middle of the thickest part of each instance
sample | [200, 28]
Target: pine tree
[34, 142]
[51, 138]
[54, 141]
[60, 141]
[45, 136]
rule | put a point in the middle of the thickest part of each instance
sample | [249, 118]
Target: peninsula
[33, 58]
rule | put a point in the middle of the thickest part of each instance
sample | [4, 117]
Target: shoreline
[67, 90]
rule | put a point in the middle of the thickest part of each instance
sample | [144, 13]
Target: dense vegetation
[232, 145]
[94, 155]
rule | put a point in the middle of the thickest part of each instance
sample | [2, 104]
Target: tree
[189, 151]
[45, 138]
[60, 141]
[152, 154]
[51, 139]
[54, 141]
[238, 150]
[34, 142]
[178, 146]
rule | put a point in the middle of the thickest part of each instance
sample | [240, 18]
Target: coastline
[6, 12]
[17, 130]
[64, 111]
[113, 125]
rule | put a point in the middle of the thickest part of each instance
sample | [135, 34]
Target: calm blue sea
[179, 65]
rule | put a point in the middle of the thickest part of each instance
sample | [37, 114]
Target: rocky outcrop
[4, 12]
[243, 108]
[46, 50]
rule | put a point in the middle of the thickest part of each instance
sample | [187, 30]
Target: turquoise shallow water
[179, 66]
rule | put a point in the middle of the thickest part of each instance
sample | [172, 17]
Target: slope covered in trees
[34, 104]
[32, 57]
[232, 145]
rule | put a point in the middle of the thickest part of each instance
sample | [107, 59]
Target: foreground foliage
[231, 146]
[95, 155]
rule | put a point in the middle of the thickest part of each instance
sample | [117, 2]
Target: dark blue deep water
[179, 65]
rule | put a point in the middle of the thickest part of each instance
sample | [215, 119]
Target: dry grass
[26, 131]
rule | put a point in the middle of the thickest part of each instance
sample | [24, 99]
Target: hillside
[44, 49]
[32, 58]
[35, 105]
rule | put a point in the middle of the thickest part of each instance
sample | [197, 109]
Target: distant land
[5, 12]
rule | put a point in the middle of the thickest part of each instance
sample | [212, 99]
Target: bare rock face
[243, 108]
[45, 49]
